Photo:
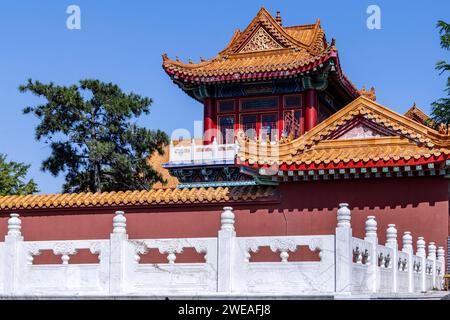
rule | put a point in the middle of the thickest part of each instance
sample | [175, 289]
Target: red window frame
[279, 112]
[222, 133]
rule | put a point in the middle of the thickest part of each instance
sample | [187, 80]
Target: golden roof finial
[333, 43]
[368, 94]
[278, 18]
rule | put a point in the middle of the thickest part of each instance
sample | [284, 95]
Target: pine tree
[93, 136]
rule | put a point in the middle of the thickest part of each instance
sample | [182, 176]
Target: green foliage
[94, 140]
[441, 108]
[13, 178]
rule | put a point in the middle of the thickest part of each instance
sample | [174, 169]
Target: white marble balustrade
[344, 264]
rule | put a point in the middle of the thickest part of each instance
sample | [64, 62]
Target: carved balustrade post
[408, 248]
[391, 242]
[441, 270]
[118, 239]
[225, 252]
[171, 151]
[193, 155]
[422, 254]
[372, 237]
[214, 150]
[432, 256]
[344, 253]
[10, 267]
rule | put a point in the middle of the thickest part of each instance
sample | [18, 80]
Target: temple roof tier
[265, 50]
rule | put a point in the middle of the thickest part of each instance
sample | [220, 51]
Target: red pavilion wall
[419, 205]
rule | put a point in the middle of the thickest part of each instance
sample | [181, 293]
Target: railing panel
[384, 257]
[403, 272]
[362, 251]
[284, 276]
[64, 278]
[385, 268]
[429, 274]
[362, 258]
[440, 268]
[360, 281]
[385, 279]
[171, 276]
[202, 153]
[417, 273]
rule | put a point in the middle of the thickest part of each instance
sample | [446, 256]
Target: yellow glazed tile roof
[156, 161]
[410, 140]
[416, 114]
[263, 46]
[138, 198]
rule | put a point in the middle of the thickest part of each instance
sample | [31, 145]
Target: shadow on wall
[363, 194]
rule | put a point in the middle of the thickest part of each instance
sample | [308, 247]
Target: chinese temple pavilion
[287, 137]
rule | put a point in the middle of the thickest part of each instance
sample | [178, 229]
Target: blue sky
[122, 42]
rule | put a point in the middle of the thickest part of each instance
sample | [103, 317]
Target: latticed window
[269, 127]
[226, 127]
[292, 123]
[260, 117]
[249, 123]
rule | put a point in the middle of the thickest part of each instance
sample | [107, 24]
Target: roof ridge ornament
[369, 94]
[333, 42]
[278, 18]
[260, 41]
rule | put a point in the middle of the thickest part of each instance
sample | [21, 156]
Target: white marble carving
[347, 264]
[171, 276]
[283, 276]
[64, 278]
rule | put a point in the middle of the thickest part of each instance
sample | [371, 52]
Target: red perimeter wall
[419, 205]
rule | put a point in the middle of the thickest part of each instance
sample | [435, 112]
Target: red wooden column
[209, 122]
[311, 109]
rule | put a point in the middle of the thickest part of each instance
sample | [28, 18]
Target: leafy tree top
[13, 178]
[440, 113]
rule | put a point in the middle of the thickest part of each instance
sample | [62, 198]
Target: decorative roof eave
[439, 158]
[159, 197]
[420, 170]
[414, 112]
[359, 107]
[186, 72]
[183, 75]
